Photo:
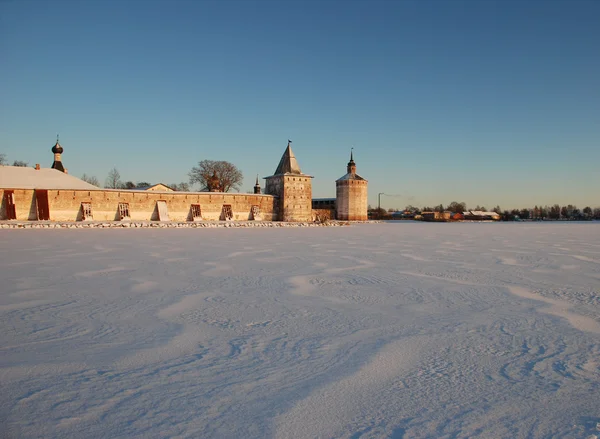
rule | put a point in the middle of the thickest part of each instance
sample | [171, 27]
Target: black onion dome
[57, 149]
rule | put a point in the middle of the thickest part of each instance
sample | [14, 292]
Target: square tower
[292, 187]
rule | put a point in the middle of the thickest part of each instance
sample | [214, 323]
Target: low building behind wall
[111, 205]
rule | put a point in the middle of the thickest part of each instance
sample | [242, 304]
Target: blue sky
[487, 102]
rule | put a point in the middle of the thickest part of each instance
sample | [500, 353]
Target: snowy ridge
[401, 330]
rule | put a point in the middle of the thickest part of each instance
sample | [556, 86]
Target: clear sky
[487, 102]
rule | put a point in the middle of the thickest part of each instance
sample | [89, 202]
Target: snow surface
[399, 330]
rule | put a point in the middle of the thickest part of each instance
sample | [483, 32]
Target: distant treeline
[555, 212]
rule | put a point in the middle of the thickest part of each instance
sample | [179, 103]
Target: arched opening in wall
[195, 213]
[226, 213]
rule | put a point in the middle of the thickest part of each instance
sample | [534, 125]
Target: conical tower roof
[288, 163]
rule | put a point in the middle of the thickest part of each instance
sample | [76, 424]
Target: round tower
[351, 194]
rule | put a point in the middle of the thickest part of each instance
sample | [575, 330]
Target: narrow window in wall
[9, 201]
[196, 213]
[226, 213]
[124, 211]
[86, 212]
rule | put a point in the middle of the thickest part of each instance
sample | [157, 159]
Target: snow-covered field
[401, 330]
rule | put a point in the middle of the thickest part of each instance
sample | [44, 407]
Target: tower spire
[351, 165]
[257, 186]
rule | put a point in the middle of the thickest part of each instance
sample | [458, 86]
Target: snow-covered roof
[18, 177]
[351, 176]
[151, 187]
[480, 213]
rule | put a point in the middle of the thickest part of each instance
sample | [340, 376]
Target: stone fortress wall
[52, 195]
[69, 205]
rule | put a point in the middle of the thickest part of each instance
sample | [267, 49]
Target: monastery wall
[66, 205]
[24, 201]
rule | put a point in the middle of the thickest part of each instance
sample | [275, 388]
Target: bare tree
[228, 176]
[181, 187]
[113, 181]
[3, 160]
[90, 179]
[20, 163]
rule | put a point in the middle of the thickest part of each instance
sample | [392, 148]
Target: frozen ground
[405, 330]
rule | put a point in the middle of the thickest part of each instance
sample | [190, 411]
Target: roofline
[135, 191]
[144, 188]
[289, 174]
[348, 179]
